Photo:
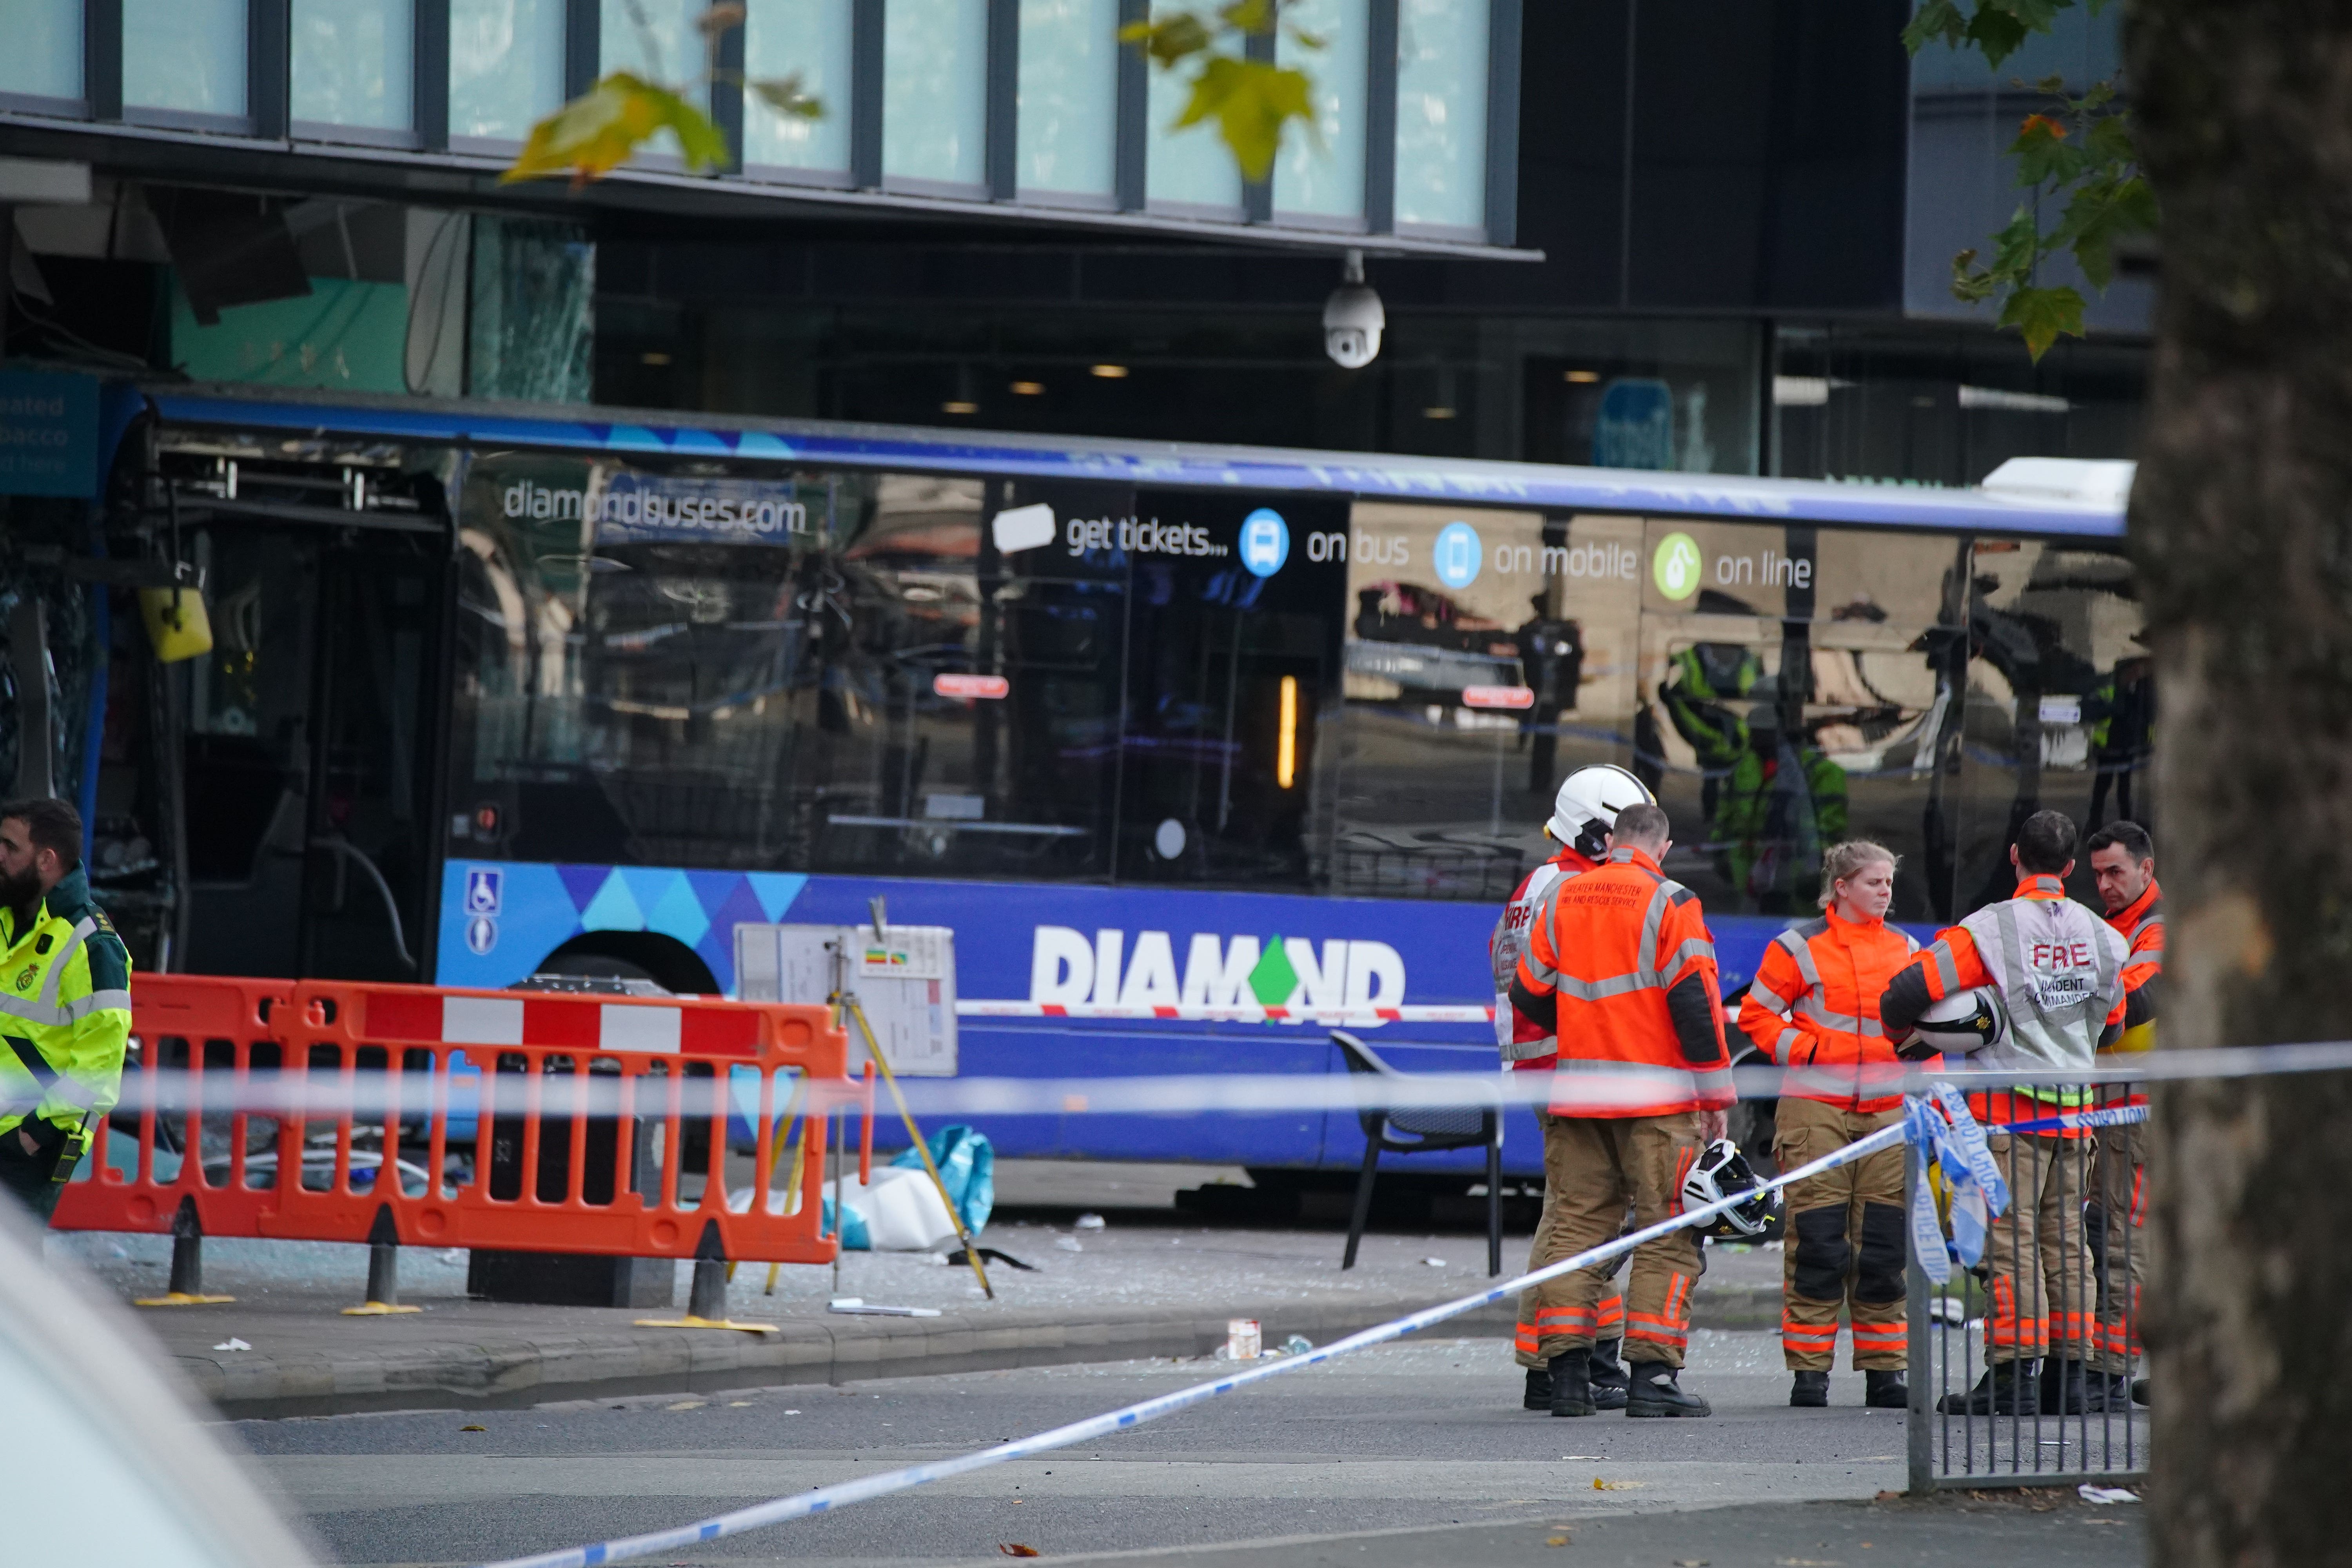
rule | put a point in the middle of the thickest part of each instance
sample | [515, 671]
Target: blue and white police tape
[2077, 1120]
[823, 1499]
[368, 1094]
[1979, 1195]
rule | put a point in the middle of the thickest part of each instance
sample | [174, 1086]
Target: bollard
[384, 1269]
[706, 1307]
[707, 1299]
[187, 1284]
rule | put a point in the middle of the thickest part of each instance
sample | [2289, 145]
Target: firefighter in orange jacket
[1582, 815]
[1813, 1009]
[2123, 860]
[1623, 968]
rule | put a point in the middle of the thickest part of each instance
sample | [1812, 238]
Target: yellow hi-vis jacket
[65, 1014]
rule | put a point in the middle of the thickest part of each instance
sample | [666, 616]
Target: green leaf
[1996, 33]
[2100, 212]
[2043, 154]
[1248, 15]
[602, 128]
[2016, 248]
[1937, 22]
[784, 95]
[1251, 102]
[2110, 139]
[2042, 315]
[1169, 40]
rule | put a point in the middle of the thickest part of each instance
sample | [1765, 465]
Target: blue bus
[501, 691]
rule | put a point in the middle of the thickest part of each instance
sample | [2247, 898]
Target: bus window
[1488, 654]
[966, 696]
[1797, 689]
[1232, 655]
[2061, 710]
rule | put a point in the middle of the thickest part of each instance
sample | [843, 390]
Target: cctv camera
[1352, 318]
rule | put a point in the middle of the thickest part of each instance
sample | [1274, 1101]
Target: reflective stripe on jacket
[1612, 943]
[2141, 925]
[1525, 1043]
[1813, 1009]
[65, 998]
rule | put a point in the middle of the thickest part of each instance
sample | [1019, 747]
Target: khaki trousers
[1593, 1166]
[2041, 1271]
[1846, 1241]
[2119, 1188]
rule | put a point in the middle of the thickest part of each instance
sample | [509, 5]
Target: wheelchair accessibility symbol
[483, 887]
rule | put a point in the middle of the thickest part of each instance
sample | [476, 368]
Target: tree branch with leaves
[1251, 101]
[2079, 158]
[610, 123]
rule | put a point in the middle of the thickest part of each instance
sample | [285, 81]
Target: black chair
[1425, 1129]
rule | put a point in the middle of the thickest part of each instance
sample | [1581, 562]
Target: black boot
[2106, 1391]
[2010, 1388]
[1651, 1390]
[1571, 1384]
[2139, 1391]
[1608, 1376]
[1886, 1391]
[1810, 1390]
[2069, 1397]
[1538, 1393]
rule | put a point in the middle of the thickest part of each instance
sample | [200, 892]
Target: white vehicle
[102, 1463]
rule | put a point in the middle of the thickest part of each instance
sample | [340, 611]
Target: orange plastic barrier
[217, 1031]
[599, 1124]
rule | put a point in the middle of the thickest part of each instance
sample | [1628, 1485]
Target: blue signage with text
[49, 434]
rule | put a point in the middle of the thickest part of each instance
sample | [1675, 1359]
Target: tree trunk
[2241, 521]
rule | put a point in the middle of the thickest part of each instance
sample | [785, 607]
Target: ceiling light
[656, 356]
[1438, 413]
[1028, 389]
[958, 405]
[1583, 377]
[1110, 372]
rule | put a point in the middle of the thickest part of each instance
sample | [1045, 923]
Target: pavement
[1150, 1282]
[1405, 1455]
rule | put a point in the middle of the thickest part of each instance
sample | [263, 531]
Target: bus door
[308, 730]
[1232, 660]
[1798, 687]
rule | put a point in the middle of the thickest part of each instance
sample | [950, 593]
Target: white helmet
[1587, 805]
[1721, 1170]
[1961, 1024]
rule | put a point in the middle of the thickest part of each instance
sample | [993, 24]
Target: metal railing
[2025, 1366]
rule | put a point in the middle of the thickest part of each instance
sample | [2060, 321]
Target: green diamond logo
[1273, 980]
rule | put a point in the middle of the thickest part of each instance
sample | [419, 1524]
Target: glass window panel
[1455, 616]
[1799, 687]
[1193, 166]
[2061, 710]
[1441, 150]
[1069, 95]
[1228, 675]
[352, 62]
[808, 39]
[506, 66]
[1323, 174]
[44, 53]
[667, 48]
[935, 91]
[187, 55]
[702, 695]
